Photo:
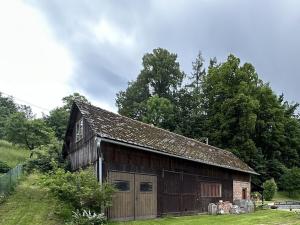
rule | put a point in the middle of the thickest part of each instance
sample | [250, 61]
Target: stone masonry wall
[238, 187]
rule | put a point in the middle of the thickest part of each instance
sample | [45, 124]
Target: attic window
[79, 130]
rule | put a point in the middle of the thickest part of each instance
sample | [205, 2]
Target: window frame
[119, 180]
[79, 130]
[146, 182]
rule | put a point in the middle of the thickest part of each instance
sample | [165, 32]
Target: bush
[256, 196]
[290, 181]
[4, 168]
[270, 189]
[87, 218]
[47, 157]
[80, 189]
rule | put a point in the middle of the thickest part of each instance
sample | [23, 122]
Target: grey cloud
[265, 33]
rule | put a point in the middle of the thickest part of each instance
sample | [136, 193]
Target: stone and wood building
[155, 172]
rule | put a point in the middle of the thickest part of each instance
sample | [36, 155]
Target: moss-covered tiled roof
[120, 128]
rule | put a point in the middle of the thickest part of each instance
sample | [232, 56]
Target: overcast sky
[49, 49]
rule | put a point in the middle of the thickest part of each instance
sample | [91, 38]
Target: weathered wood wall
[83, 152]
[178, 179]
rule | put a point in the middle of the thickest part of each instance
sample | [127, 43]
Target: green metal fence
[10, 179]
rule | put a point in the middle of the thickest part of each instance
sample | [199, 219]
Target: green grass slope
[261, 217]
[11, 154]
[30, 205]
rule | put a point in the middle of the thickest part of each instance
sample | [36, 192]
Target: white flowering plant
[86, 217]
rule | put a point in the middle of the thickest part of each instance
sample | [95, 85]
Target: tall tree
[161, 76]
[162, 72]
[198, 71]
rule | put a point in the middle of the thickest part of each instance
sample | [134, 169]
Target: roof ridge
[159, 128]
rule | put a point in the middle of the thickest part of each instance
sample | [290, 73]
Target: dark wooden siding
[83, 152]
[179, 181]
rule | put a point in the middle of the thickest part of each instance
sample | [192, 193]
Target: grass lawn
[259, 217]
[12, 154]
[30, 205]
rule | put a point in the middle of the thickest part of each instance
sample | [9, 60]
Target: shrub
[87, 218]
[290, 181]
[4, 168]
[256, 196]
[270, 189]
[47, 157]
[81, 189]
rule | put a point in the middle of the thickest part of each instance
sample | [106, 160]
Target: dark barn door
[136, 196]
[180, 193]
[184, 193]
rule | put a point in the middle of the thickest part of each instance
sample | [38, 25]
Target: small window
[79, 130]
[145, 186]
[121, 185]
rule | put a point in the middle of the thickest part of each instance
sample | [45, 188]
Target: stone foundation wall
[238, 187]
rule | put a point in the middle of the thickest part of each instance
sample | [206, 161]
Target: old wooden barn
[156, 172]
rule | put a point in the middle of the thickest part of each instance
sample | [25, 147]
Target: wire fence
[10, 179]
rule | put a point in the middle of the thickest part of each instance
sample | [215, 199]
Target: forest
[225, 103]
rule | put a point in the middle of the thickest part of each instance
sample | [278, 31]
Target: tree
[159, 111]
[244, 115]
[58, 121]
[189, 116]
[230, 105]
[161, 76]
[28, 133]
[270, 189]
[68, 100]
[58, 117]
[7, 107]
[162, 72]
[198, 71]
[132, 102]
[290, 181]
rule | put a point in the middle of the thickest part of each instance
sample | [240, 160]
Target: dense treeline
[225, 102]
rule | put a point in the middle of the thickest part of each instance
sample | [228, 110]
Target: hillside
[31, 205]
[11, 154]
